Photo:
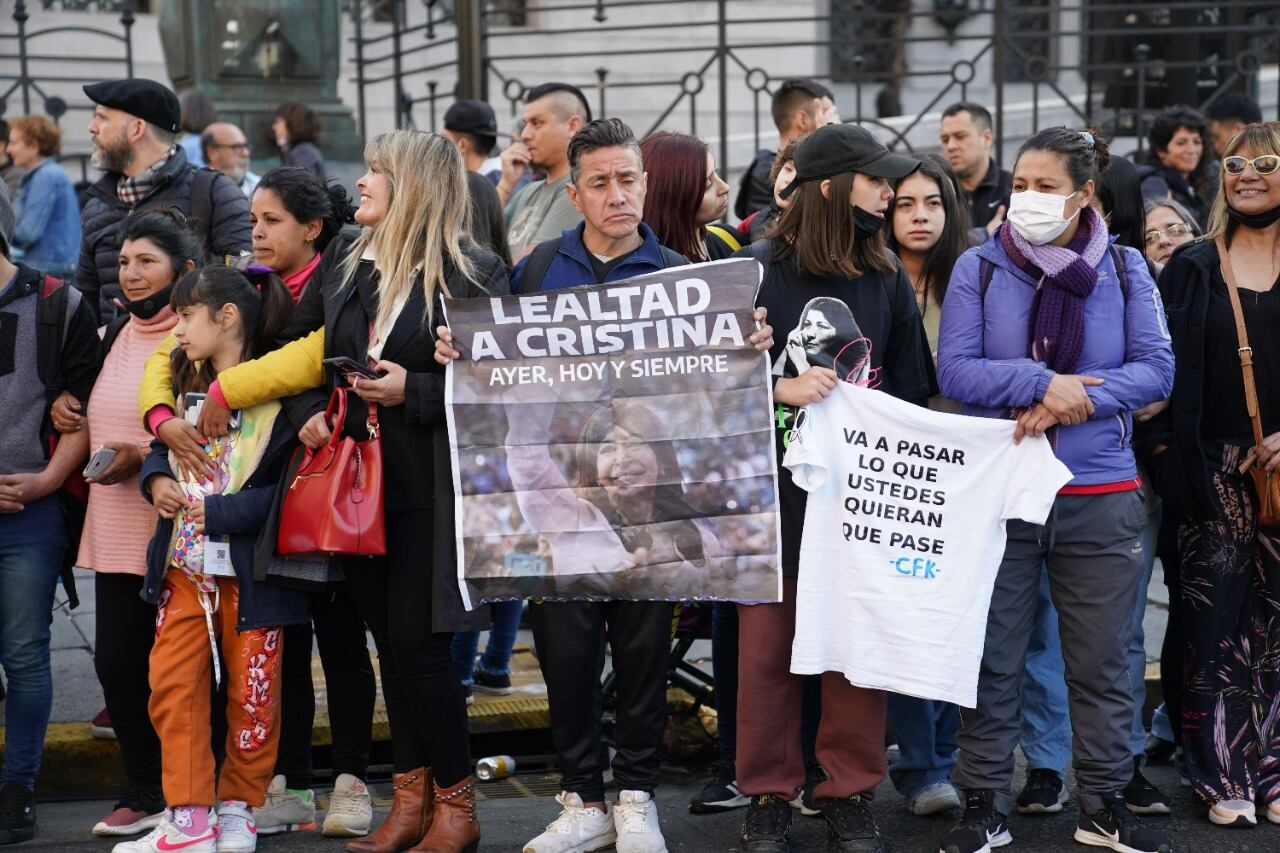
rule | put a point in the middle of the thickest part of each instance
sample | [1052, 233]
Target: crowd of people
[175, 335]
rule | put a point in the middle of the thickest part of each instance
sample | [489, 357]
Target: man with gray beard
[135, 129]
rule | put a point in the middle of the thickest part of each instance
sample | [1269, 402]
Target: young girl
[685, 196]
[200, 576]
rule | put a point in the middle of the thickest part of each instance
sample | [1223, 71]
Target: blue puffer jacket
[984, 355]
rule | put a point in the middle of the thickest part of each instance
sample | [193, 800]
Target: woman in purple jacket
[1053, 324]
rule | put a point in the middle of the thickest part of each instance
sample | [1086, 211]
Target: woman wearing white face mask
[1052, 324]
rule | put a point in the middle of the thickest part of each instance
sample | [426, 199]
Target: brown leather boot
[454, 827]
[409, 819]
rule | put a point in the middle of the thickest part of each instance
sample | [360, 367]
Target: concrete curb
[75, 764]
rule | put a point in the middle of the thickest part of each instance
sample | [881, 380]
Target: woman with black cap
[827, 253]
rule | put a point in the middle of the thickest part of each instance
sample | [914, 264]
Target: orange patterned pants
[181, 676]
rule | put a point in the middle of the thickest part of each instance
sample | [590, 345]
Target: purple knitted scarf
[1067, 275]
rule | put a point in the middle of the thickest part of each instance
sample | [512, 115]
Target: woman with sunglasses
[1229, 569]
[1168, 226]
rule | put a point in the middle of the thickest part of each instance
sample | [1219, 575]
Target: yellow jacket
[295, 367]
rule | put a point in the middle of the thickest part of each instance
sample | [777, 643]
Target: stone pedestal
[250, 56]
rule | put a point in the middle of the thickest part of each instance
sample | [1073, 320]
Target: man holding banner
[580, 485]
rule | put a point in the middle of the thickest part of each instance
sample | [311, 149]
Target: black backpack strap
[1122, 274]
[52, 318]
[535, 269]
[112, 332]
[986, 270]
[672, 258]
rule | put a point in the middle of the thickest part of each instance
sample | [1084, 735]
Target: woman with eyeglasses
[1168, 226]
[1230, 562]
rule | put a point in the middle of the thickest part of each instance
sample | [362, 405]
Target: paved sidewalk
[509, 817]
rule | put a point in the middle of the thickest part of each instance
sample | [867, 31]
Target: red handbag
[334, 504]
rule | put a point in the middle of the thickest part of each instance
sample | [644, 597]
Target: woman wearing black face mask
[850, 315]
[1229, 568]
[157, 248]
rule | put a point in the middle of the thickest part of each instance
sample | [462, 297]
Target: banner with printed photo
[615, 442]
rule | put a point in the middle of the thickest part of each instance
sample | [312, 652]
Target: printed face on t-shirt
[828, 336]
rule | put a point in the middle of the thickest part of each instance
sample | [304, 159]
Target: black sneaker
[1159, 750]
[1141, 796]
[721, 794]
[1043, 793]
[767, 827]
[488, 682]
[814, 776]
[980, 828]
[850, 826]
[17, 813]
[1116, 827]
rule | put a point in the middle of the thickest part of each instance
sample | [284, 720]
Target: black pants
[349, 683]
[570, 638]
[125, 632]
[425, 705]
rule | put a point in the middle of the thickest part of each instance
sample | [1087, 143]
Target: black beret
[146, 99]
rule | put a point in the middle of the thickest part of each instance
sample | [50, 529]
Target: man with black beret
[135, 128]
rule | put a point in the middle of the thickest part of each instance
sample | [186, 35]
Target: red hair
[676, 165]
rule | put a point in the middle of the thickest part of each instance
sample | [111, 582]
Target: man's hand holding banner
[615, 441]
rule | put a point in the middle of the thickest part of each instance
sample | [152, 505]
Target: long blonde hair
[428, 218]
[1257, 139]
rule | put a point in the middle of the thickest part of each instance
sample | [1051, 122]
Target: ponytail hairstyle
[169, 230]
[1083, 152]
[261, 298]
[307, 196]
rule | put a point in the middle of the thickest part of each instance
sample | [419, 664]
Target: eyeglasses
[1264, 165]
[237, 146]
[1173, 233]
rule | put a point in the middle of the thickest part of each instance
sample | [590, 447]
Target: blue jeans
[926, 733]
[1046, 721]
[1138, 642]
[32, 545]
[503, 628]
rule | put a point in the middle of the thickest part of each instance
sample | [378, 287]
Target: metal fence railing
[710, 67]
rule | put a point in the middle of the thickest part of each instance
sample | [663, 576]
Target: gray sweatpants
[1092, 545]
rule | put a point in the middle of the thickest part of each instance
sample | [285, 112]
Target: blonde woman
[376, 299]
[1230, 615]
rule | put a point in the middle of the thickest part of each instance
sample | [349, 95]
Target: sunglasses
[1264, 165]
[1173, 232]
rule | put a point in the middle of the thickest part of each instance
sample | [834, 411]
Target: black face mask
[865, 225]
[149, 306]
[1255, 220]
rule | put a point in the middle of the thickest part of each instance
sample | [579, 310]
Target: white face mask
[1038, 216]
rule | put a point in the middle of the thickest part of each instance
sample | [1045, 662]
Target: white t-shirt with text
[904, 533]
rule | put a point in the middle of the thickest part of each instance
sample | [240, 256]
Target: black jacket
[755, 190]
[1180, 474]
[227, 233]
[241, 517]
[1163, 182]
[417, 469]
[488, 228]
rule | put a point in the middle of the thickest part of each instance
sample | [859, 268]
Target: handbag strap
[1245, 351]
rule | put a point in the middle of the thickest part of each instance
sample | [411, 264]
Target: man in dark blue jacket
[607, 184]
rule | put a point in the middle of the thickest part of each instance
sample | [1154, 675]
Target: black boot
[767, 827]
[17, 813]
[851, 827]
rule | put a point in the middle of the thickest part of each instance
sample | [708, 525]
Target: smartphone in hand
[98, 462]
[348, 366]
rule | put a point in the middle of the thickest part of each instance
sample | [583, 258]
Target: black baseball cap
[474, 117]
[148, 100]
[839, 148]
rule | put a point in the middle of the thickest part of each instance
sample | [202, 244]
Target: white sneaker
[1233, 813]
[285, 811]
[1273, 811]
[350, 809]
[635, 817]
[935, 798]
[577, 830]
[237, 832]
[169, 836]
